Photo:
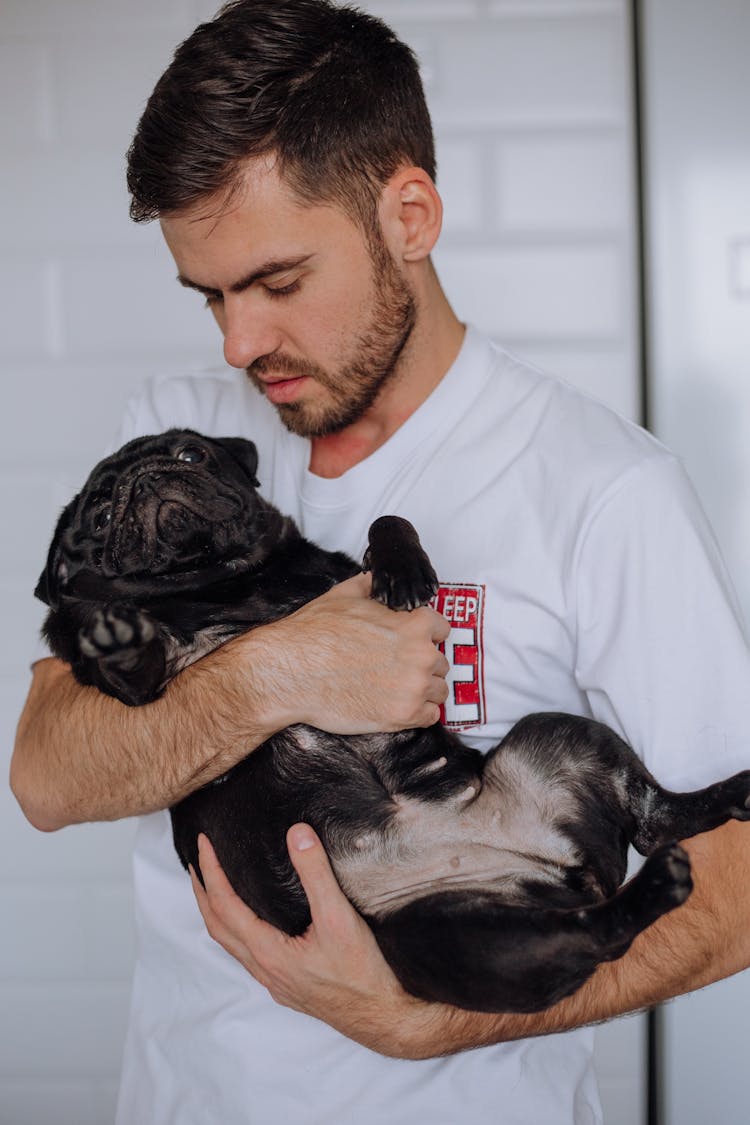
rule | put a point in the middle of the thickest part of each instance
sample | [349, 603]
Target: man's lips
[283, 390]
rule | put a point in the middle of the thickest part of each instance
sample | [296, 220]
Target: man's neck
[432, 352]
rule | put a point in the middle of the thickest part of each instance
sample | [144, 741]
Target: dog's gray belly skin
[490, 883]
[497, 832]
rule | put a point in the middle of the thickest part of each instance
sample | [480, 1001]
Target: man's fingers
[325, 897]
[360, 586]
[209, 917]
[440, 626]
[220, 891]
[229, 920]
[215, 927]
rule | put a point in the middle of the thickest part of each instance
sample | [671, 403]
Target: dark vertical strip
[654, 1067]
[638, 66]
[654, 1019]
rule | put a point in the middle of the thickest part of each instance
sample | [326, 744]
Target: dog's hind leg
[476, 951]
[663, 816]
[608, 779]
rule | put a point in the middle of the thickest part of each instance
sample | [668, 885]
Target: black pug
[490, 883]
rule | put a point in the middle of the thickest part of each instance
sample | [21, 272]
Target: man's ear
[411, 214]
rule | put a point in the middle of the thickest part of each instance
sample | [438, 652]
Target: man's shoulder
[555, 422]
[216, 401]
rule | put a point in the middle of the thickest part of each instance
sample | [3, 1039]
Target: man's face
[316, 314]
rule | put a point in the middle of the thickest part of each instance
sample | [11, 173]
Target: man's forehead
[257, 183]
[223, 239]
[218, 240]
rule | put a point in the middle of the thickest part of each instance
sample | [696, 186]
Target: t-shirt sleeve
[662, 652]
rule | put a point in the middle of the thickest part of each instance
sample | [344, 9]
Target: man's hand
[334, 971]
[348, 665]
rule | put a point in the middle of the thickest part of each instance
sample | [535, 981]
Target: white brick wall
[532, 111]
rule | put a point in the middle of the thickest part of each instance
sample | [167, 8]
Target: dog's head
[166, 512]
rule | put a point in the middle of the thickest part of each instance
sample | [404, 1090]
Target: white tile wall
[69, 1024]
[66, 1102]
[590, 178]
[532, 110]
[26, 84]
[541, 293]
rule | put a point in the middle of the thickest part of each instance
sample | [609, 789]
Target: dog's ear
[245, 453]
[55, 574]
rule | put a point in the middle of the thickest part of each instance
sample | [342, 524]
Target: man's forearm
[706, 939]
[81, 755]
[343, 662]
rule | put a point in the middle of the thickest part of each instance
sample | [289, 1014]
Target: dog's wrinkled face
[162, 506]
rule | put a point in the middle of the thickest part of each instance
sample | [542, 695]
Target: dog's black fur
[492, 884]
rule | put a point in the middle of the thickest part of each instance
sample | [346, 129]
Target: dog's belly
[476, 840]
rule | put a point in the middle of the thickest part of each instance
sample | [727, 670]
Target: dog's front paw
[402, 574]
[118, 634]
[413, 584]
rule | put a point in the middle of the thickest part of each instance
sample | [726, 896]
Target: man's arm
[343, 663]
[335, 970]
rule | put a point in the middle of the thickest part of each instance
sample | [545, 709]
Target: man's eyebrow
[268, 269]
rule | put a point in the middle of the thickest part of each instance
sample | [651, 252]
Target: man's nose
[249, 332]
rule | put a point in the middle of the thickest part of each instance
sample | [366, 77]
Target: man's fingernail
[302, 838]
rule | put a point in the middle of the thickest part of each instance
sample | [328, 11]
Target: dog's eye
[193, 454]
[102, 518]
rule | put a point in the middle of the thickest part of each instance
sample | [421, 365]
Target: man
[287, 152]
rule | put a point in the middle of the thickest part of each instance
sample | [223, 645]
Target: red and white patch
[463, 607]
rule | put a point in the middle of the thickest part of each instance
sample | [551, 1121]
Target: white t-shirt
[578, 574]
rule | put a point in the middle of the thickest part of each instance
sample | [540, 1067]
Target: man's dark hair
[329, 90]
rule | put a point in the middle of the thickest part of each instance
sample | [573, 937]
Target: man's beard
[353, 388]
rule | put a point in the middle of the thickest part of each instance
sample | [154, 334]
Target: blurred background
[594, 162]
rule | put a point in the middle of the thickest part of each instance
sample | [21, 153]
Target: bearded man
[288, 155]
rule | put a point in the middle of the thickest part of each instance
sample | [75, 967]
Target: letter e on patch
[463, 607]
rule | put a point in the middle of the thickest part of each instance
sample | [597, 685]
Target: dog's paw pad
[87, 647]
[115, 631]
[104, 633]
[123, 631]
